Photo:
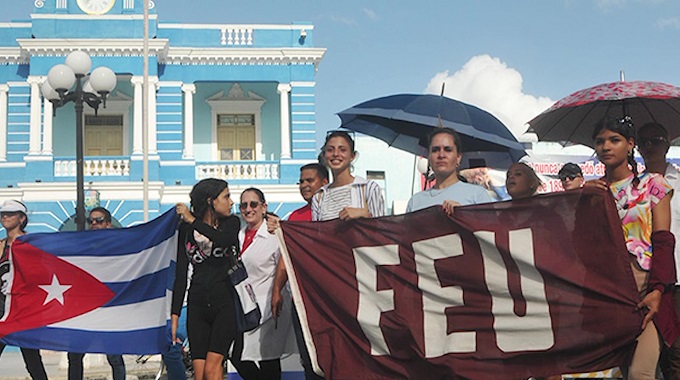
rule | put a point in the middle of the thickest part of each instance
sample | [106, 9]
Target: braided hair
[625, 128]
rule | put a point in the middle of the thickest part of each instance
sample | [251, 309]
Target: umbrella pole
[415, 169]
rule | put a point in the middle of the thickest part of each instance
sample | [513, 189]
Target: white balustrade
[254, 170]
[236, 37]
[95, 168]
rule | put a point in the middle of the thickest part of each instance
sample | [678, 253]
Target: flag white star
[55, 290]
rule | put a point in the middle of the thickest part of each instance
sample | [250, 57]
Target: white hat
[13, 206]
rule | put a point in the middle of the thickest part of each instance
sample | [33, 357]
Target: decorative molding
[189, 88]
[52, 16]
[123, 47]
[283, 87]
[252, 56]
[236, 26]
[302, 84]
[16, 25]
[166, 54]
[12, 56]
[235, 93]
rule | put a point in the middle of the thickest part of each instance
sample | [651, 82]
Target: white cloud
[343, 20]
[491, 85]
[370, 14]
[608, 4]
[673, 22]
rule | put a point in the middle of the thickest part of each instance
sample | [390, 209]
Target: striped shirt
[363, 194]
[338, 198]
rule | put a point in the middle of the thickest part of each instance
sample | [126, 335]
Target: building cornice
[166, 54]
[12, 55]
[15, 25]
[162, 25]
[94, 47]
[52, 16]
[249, 56]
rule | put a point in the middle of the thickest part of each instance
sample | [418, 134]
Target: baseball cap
[570, 168]
[13, 206]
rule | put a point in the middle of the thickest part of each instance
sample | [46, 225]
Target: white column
[34, 128]
[137, 116]
[4, 89]
[47, 127]
[153, 86]
[283, 90]
[189, 91]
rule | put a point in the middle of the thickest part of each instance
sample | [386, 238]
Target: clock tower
[92, 7]
[91, 18]
[96, 7]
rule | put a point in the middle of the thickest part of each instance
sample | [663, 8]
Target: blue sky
[512, 58]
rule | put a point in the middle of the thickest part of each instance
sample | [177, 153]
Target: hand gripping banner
[534, 287]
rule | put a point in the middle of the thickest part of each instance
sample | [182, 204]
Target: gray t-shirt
[461, 192]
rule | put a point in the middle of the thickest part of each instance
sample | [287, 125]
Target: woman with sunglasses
[208, 239]
[643, 202]
[273, 338]
[347, 197]
[14, 221]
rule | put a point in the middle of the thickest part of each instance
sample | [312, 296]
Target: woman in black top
[208, 237]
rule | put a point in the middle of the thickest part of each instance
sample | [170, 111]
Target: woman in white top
[347, 197]
[272, 339]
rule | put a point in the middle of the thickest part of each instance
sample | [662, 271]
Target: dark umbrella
[572, 119]
[404, 122]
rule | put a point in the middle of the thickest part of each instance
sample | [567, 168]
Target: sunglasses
[571, 177]
[9, 214]
[98, 220]
[652, 141]
[252, 204]
[340, 132]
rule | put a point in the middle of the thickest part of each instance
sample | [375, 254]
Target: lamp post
[58, 89]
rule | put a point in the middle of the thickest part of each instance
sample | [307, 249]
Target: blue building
[229, 101]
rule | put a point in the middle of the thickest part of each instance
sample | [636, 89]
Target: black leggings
[33, 361]
[210, 329]
[267, 370]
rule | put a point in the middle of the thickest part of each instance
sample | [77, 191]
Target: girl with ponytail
[643, 203]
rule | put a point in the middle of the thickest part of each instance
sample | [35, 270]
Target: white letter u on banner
[533, 331]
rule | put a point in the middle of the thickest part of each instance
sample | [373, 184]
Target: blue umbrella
[404, 121]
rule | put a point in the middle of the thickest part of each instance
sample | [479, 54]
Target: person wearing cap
[653, 144]
[98, 219]
[571, 176]
[14, 220]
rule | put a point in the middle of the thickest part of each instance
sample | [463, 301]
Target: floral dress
[635, 204]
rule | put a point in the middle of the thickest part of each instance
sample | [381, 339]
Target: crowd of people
[211, 238]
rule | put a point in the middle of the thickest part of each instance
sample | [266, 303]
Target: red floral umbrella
[573, 118]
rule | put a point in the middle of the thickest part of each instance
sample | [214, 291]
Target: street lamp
[58, 89]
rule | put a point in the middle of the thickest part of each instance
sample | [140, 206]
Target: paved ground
[96, 367]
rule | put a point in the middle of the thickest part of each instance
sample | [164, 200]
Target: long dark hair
[625, 128]
[205, 189]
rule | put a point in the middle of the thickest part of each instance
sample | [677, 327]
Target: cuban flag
[104, 291]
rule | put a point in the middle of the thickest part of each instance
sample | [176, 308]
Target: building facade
[228, 101]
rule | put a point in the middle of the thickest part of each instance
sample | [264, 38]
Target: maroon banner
[514, 289]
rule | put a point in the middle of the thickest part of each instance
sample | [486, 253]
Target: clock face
[96, 7]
